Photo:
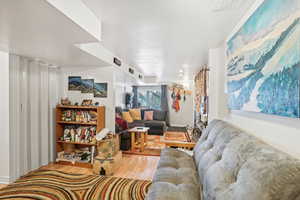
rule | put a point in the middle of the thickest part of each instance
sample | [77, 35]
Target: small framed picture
[87, 86]
[74, 83]
[100, 90]
[87, 102]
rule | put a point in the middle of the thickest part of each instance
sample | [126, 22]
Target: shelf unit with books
[76, 128]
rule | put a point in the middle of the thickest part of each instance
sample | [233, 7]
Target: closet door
[34, 119]
[31, 118]
[44, 115]
[53, 83]
[25, 156]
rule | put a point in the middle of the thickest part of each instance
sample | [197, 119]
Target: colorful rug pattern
[156, 143]
[177, 136]
[55, 185]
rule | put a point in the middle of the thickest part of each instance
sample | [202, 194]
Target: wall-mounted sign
[117, 61]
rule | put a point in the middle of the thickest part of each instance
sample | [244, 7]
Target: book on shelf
[76, 128]
[79, 116]
[85, 156]
[79, 134]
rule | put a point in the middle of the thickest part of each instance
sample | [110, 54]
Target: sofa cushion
[148, 115]
[127, 117]
[234, 165]
[155, 123]
[159, 115]
[172, 158]
[176, 176]
[176, 173]
[135, 114]
[137, 123]
[169, 191]
[175, 153]
[143, 112]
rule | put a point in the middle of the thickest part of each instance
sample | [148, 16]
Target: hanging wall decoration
[263, 62]
[178, 94]
[87, 86]
[100, 90]
[74, 83]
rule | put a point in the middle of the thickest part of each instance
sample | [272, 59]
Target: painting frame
[74, 83]
[100, 90]
[87, 86]
[263, 61]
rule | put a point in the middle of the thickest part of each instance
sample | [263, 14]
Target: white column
[15, 113]
[216, 90]
[4, 118]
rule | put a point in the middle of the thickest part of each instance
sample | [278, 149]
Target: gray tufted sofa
[227, 164]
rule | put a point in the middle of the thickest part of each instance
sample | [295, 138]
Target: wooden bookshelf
[78, 123]
[99, 124]
[79, 107]
[79, 143]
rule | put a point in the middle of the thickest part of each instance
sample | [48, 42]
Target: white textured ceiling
[36, 29]
[162, 37]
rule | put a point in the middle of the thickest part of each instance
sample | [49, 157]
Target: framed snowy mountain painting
[263, 61]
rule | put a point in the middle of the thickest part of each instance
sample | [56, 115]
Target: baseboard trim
[4, 180]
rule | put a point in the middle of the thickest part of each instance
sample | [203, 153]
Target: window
[149, 97]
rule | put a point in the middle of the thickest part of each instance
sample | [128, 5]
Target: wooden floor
[131, 166]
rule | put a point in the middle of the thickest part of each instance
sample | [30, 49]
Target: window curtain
[33, 90]
[165, 103]
[135, 97]
[201, 98]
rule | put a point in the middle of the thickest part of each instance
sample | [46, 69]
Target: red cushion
[122, 123]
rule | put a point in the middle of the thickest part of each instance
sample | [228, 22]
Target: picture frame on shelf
[87, 102]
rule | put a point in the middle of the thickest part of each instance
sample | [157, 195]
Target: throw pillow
[148, 115]
[135, 114]
[127, 117]
[121, 123]
[159, 115]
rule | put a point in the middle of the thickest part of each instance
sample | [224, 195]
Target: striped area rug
[55, 185]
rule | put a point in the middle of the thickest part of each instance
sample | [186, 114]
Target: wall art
[100, 90]
[263, 61]
[87, 86]
[74, 83]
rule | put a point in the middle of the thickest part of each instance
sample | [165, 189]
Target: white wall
[281, 132]
[4, 117]
[185, 115]
[123, 84]
[216, 87]
[103, 74]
